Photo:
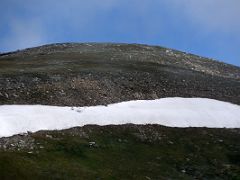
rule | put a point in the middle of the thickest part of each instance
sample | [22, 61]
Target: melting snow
[172, 112]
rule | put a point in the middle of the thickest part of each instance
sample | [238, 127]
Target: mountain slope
[93, 74]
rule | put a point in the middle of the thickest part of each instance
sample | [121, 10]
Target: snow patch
[172, 112]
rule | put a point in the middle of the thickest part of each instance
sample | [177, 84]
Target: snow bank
[173, 112]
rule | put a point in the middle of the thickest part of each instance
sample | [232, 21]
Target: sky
[209, 28]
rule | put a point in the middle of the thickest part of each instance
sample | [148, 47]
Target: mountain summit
[74, 74]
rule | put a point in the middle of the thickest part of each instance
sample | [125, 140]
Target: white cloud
[47, 21]
[24, 34]
[36, 25]
[216, 15]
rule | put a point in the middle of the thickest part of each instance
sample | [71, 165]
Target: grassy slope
[126, 152]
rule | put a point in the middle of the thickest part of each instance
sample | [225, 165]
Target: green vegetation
[126, 152]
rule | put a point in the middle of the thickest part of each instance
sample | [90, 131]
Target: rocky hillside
[90, 74]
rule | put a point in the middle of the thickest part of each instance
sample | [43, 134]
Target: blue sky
[209, 28]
